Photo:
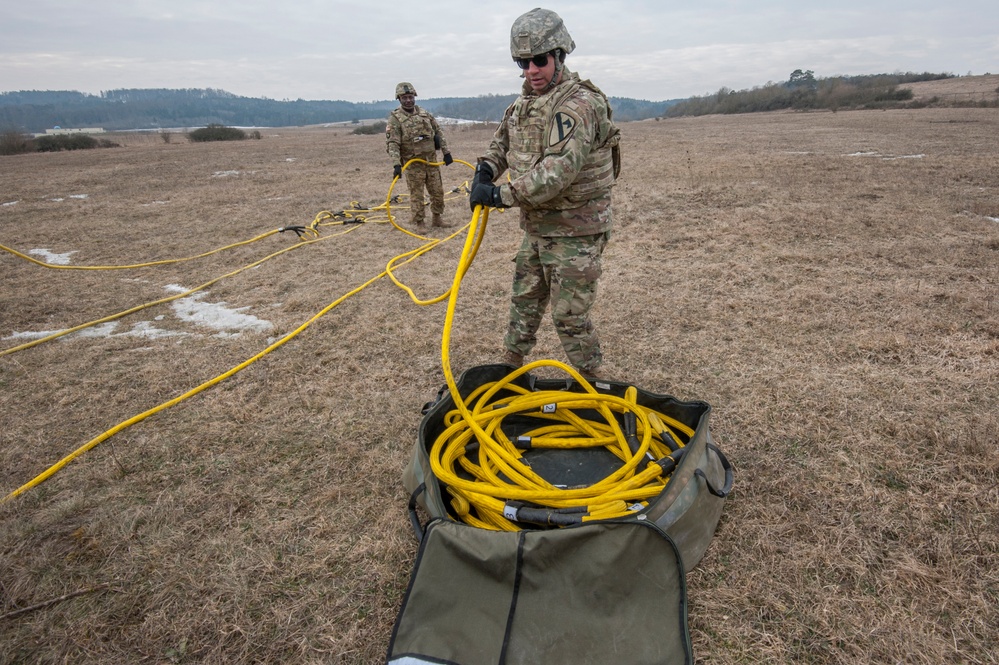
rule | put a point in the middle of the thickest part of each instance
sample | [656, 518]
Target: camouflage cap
[539, 31]
[404, 88]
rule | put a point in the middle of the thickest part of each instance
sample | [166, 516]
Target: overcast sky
[358, 51]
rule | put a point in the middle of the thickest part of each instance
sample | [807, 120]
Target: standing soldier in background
[412, 132]
[561, 147]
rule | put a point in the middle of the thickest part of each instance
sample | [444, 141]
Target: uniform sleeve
[393, 140]
[571, 137]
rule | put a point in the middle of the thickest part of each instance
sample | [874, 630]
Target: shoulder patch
[564, 124]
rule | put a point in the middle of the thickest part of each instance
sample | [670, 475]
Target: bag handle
[724, 491]
[414, 519]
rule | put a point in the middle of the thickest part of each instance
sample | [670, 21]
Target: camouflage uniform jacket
[562, 151]
[409, 135]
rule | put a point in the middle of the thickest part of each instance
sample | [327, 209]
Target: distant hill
[803, 91]
[958, 89]
[150, 109]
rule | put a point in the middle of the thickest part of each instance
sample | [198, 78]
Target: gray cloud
[358, 51]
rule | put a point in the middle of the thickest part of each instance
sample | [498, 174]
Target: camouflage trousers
[418, 176]
[564, 271]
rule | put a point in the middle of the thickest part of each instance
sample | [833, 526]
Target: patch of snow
[103, 330]
[38, 334]
[217, 315]
[147, 330]
[51, 257]
[8, 204]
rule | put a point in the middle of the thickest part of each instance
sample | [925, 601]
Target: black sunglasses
[538, 60]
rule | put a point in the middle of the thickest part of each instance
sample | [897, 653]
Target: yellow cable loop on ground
[139, 265]
[499, 476]
[55, 468]
[161, 301]
[194, 391]
[388, 199]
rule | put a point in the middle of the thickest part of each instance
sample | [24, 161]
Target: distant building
[70, 130]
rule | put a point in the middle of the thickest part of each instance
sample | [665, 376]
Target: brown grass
[827, 282]
[959, 89]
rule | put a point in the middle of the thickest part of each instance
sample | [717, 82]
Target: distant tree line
[36, 111]
[113, 110]
[124, 109]
[490, 108]
[803, 91]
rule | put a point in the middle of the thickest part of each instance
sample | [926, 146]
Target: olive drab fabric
[688, 510]
[560, 149]
[609, 591]
[602, 593]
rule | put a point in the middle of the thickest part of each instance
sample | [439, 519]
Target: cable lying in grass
[394, 264]
[355, 214]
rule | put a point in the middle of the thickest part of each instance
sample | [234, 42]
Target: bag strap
[724, 491]
[414, 519]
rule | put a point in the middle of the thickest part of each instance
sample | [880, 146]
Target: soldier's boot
[592, 374]
[513, 358]
[439, 221]
[420, 224]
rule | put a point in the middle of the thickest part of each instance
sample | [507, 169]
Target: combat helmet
[404, 88]
[539, 31]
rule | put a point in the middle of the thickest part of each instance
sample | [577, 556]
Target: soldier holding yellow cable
[412, 132]
[561, 147]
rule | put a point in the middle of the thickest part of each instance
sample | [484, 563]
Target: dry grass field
[828, 282]
[984, 88]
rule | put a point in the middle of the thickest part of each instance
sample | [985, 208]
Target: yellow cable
[319, 220]
[161, 301]
[138, 265]
[499, 476]
[52, 470]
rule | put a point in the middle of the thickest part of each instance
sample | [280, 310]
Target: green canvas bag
[688, 510]
[602, 592]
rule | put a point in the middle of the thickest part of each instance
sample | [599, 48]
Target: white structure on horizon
[72, 130]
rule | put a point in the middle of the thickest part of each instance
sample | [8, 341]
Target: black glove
[487, 195]
[448, 159]
[483, 174]
[397, 170]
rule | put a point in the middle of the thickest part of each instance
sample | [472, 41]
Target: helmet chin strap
[557, 74]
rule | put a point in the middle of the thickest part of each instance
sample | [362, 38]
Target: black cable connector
[631, 432]
[519, 511]
[521, 443]
[669, 463]
[299, 230]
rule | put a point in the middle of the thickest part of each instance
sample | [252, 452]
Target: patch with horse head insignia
[563, 126]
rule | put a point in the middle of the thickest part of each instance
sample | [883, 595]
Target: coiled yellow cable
[498, 489]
